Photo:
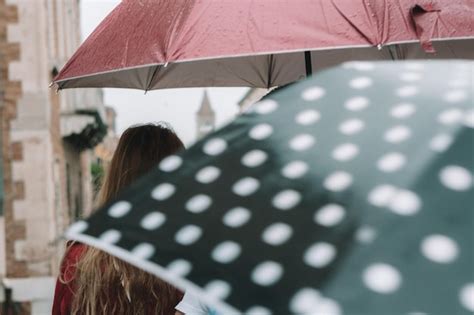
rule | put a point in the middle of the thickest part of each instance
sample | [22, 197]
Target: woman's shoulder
[64, 290]
[74, 251]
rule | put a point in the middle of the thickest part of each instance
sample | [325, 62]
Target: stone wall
[10, 93]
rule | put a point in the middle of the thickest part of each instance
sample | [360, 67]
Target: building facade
[46, 141]
[103, 152]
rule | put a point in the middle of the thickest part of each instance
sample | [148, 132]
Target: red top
[65, 289]
[64, 292]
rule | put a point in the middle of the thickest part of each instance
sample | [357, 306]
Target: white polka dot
[266, 107]
[246, 186]
[456, 178]
[441, 142]
[198, 203]
[236, 217]
[403, 110]
[258, 310]
[119, 209]
[357, 103]
[382, 278]
[295, 169]
[78, 227]
[307, 117]
[254, 158]
[188, 234]
[469, 118]
[163, 191]
[407, 91]
[381, 195]
[110, 236]
[308, 301]
[305, 301]
[179, 267]
[455, 96]
[338, 181]
[397, 134]
[345, 152]
[226, 252]
[302, 142]
[450, 116]
[330, 215]
[365, 234]
[439, 248]
[267, 273]
[261, 132]
[313, 93]
[327, 307]
[286, 199]
[214, 146]
[360, 83]
[466, 296]
[391, 162]
[208, 174]
[359, 65]
[411, 76]
[218, 288]
[143, 251]
[277, 234]
[405, 202]
[351, 126]
[153, 220]
[170, 163]
[319, 255]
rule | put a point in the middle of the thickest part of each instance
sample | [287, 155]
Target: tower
[205, 117]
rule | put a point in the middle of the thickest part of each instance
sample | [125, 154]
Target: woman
[91, 281]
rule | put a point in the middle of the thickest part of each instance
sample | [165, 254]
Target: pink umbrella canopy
[154, 44]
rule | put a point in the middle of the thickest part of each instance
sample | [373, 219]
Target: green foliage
[97, 172]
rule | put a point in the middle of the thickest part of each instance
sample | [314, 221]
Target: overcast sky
[176, 106]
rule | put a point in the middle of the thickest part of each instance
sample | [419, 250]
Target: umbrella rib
[392, 55]
[308, 63]
[148, 85]
[270, 71]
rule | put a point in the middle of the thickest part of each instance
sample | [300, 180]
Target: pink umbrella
[154, 44]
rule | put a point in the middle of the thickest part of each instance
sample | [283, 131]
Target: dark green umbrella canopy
[351, 192]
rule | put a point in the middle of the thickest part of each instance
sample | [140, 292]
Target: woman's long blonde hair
[104, 284]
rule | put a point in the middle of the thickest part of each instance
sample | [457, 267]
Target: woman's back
[93, 282]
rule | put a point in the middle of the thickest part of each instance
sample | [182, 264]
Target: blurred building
[47, 141]
[104, 151]
[205, 117]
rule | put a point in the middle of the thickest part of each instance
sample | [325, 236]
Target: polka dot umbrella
[351, 192]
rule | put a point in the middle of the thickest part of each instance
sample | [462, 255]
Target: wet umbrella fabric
[155, 44]
[348, 193]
